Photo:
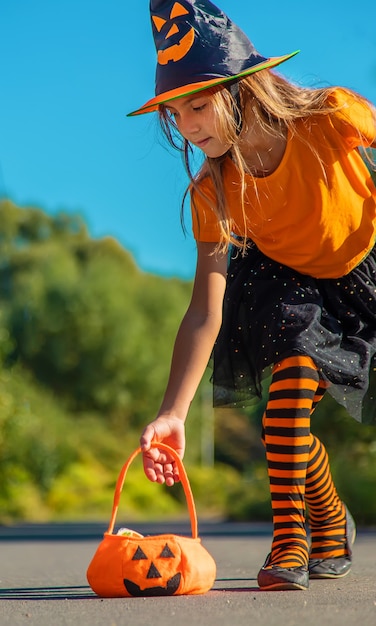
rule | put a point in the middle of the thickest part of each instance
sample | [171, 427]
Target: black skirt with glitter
[272, 312]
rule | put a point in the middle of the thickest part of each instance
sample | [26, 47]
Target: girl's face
[195, 119]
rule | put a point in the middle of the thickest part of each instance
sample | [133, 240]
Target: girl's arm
[194, 342]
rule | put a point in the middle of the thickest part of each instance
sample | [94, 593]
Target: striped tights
[298, 469]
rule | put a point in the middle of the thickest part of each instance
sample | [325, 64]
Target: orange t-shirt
[318, 218]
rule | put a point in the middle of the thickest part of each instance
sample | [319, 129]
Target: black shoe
[338, 566]
[276, 578]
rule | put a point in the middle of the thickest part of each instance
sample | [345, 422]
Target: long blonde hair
[276, 105]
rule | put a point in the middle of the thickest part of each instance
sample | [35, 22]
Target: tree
[83, 318]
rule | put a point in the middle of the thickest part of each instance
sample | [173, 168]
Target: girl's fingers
[161, 472]
[175, 470]
[149, 469]
[146, 438]
[168, 472]
[158, 468]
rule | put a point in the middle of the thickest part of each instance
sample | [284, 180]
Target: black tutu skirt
[271, 312]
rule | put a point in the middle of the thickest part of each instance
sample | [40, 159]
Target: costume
[318, 221]
[303, 297]
[307, 284]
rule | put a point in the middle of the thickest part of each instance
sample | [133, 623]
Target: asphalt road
[43, 582]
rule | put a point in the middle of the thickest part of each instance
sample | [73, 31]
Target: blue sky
[71, 70]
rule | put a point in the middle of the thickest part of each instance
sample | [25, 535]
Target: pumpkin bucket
[130, 565]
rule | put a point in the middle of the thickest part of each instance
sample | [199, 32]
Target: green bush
[354, 472]
[250, 501]
[212, 488]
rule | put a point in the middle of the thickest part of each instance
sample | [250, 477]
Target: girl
[285, 195]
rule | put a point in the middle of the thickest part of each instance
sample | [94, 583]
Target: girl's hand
[159, 466]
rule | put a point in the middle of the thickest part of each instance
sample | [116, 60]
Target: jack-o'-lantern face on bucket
[179, 36]
[157, 566]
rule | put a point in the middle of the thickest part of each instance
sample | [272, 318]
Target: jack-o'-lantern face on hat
[198, 47]
[178, 35]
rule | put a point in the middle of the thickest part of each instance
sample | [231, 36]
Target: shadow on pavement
[85, 592]
[47, 593]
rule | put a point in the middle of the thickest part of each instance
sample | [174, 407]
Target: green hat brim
[187, 90]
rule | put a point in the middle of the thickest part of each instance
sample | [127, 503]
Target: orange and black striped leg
[327, 513]
[320, 392]
[287, 441]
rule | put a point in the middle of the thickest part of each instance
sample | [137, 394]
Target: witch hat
[198, 47]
